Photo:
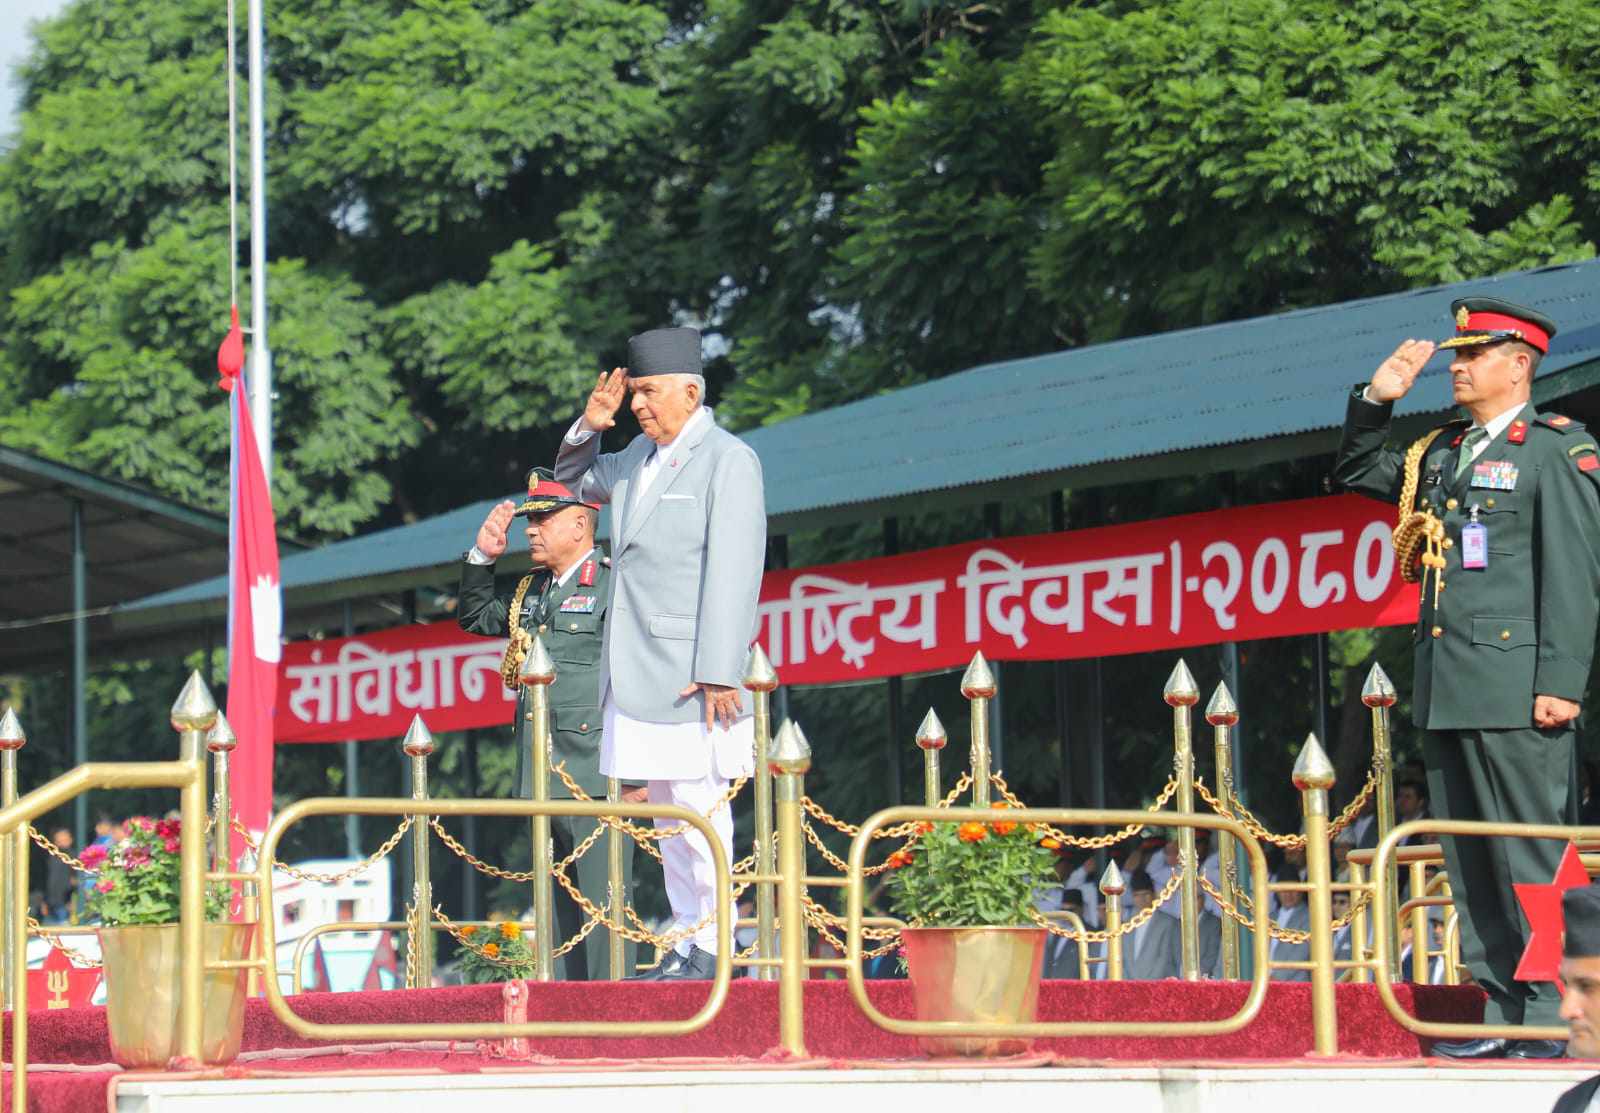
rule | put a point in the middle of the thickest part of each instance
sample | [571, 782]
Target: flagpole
[260, 375]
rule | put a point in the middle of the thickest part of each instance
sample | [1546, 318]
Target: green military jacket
[570, 618]
[1525, 624]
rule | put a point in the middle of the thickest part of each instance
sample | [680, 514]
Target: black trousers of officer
[591, 959]
[1505, 776]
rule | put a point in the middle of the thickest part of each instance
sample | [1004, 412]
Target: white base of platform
[954, 1090]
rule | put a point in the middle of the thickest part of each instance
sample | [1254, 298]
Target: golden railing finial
[1222, 711]
[220, 739]
[1378, 691]
[1181, 690]
[418, 741]
[11, 733]
[537, 667]
[791, 753]
[759, 675]
[194, 709]
[1312, 769]
[931, 733]
[978, 681]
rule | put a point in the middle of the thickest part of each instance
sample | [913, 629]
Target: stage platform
[733, 1062]
[876, 1088]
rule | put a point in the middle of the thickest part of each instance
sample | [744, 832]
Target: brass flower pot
[141, 974]
[975, 975]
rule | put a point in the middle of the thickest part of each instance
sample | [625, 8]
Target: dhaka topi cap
[1580, 912]
[545, 495]
[664, 351]
[1490, 321]
[1141, 882]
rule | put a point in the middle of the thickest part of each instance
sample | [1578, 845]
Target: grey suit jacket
[686, 565]
[1577, 1099]
[1160, 953]
[1299, 920]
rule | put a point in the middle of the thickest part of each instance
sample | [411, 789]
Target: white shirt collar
[1498, 423]
[561, 580]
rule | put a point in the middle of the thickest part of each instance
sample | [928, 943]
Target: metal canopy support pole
[80, 669]
[352, 767]
[1320, 659]
[896, 689]
[260, 353]
[469, 829]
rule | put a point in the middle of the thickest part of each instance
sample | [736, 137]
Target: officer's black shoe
[666, 968]
[1471, 1049]
[697, 966]
[1537, 1049]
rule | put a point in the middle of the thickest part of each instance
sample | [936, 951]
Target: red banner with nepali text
[1267, 571]
[1264, 571]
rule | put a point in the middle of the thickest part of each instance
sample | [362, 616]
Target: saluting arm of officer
[479, 610]
[1569, 598]
[736, 544]
[579, 463]
[1364, 464]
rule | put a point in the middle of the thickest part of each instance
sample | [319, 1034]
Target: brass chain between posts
[1095, 842]
[36, 928]
[1236, 810]
[1137, 920]
[818, 918]
[899, 830]
[1285, 935]
[411, 946]
[327, 878]
[57, 853]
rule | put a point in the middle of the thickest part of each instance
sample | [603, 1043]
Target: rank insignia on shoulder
[1517, 433]
[1561, 423]
[1589, 463]
[1580, 449]
[578, 604]
[586, 574]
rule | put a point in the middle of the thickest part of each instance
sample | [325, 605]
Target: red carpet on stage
[746, 1031]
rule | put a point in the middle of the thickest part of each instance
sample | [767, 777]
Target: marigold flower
[1000, 805]
[899, 858]
[1050, 844]
[510, 930]
[491, 950]
[924, 828]
[972, 832]
[1004, 827]
[470, 930]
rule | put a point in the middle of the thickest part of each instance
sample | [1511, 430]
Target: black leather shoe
[697, 966]
[666, 968]
[1537, 1049]
[1471, 1049]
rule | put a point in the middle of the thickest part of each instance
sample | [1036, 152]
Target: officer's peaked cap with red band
[545, 495]
[1490, 321]
[664, 351]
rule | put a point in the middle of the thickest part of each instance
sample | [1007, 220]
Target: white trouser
[686, 858]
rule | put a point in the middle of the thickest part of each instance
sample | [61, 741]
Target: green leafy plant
[498, 953]
[971, 873]
[138, 876]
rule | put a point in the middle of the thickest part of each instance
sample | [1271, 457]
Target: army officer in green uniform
[1501, 511]
[563, 601]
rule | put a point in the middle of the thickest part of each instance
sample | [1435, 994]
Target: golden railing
[777, 868]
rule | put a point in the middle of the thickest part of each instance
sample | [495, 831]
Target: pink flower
[104, 885]
[168, 828]
[93, 855]
[136, 856]
[143, 822]
[171, 846]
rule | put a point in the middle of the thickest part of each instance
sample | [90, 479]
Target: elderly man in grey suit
[689, 534]
[1155, 950]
